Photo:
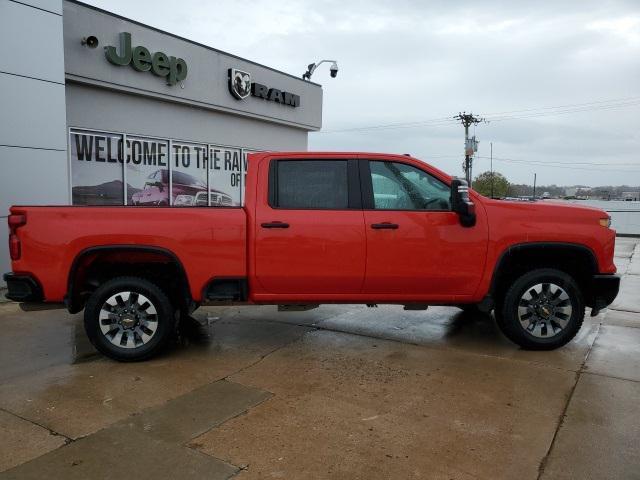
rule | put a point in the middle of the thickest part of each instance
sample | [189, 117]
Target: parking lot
[335, 392]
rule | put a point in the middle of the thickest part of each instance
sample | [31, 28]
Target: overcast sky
[414, 61]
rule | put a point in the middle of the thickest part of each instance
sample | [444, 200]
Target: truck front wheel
[129, 319]
[542, 310]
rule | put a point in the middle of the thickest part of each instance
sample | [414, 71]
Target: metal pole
[467, 119]
[491, 167]
[467, 161]
[534, 186]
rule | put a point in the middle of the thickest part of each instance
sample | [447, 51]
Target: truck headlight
[184, 200]
[605, 222]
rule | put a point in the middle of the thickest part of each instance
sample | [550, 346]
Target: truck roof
[312, 155]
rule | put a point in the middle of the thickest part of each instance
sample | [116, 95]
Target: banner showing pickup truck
[158, 172]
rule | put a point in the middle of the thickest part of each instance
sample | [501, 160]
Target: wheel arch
[576, 260]
[120, 259]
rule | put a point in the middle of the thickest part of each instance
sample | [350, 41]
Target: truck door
[309, 232]
[416, 246]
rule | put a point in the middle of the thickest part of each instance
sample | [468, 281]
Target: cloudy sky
[566, 72]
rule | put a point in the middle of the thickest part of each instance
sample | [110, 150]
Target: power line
[502, 116]
[552, 163]
[570, 105]
[391, 126]
[563, 166]
[565, 163]
[563, 112]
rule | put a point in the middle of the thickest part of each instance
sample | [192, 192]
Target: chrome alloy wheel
[128, 319]
[544, 310]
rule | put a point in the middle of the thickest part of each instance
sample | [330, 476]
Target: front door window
[397, 186]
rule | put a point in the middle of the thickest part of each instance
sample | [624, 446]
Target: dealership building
[103, 110]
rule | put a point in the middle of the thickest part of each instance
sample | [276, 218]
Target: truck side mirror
[461, 203]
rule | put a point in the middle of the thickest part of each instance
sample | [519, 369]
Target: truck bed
[204, 240]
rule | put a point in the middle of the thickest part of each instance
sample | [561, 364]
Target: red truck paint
[322, 257]
[325, 256]
[49, 249]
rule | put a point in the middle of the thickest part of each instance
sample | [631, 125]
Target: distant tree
[482, 184]
[609, 192]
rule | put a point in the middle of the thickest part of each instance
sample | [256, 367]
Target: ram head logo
[239, 83]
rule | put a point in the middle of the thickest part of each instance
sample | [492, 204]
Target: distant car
[187, 191]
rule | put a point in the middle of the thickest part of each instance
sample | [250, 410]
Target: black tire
[509, 321]
[162, 322]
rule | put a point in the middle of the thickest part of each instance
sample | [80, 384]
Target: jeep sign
[160, 64]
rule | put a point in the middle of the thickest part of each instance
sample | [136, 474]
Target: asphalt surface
[337, 392]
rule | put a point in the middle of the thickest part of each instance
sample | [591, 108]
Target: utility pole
[491, 168]
[534, 185]
[468, 119]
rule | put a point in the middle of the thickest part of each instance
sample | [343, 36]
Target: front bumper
[603, 291]
[23, 288]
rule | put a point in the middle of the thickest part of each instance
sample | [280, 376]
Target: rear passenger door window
[310, 184]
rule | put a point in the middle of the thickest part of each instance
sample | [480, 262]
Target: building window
[189, 174]
[96, 168]
[227, 171]
[147, 171]
[119, 169]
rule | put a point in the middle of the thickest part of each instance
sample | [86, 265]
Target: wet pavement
[336, 392]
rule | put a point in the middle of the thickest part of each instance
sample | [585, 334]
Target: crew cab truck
[318, 228]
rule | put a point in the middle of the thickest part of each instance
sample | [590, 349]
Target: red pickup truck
[318, 228]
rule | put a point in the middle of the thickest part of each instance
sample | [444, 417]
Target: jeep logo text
[160, 64]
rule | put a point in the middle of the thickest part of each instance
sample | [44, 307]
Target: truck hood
[575, 206]
[547, 207]
[544, 221]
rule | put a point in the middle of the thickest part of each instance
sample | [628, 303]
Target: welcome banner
[158, 172]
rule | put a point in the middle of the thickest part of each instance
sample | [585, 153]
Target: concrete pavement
[336, 392]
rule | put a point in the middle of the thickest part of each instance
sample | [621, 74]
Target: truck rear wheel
[129, 319]
[542, 310]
